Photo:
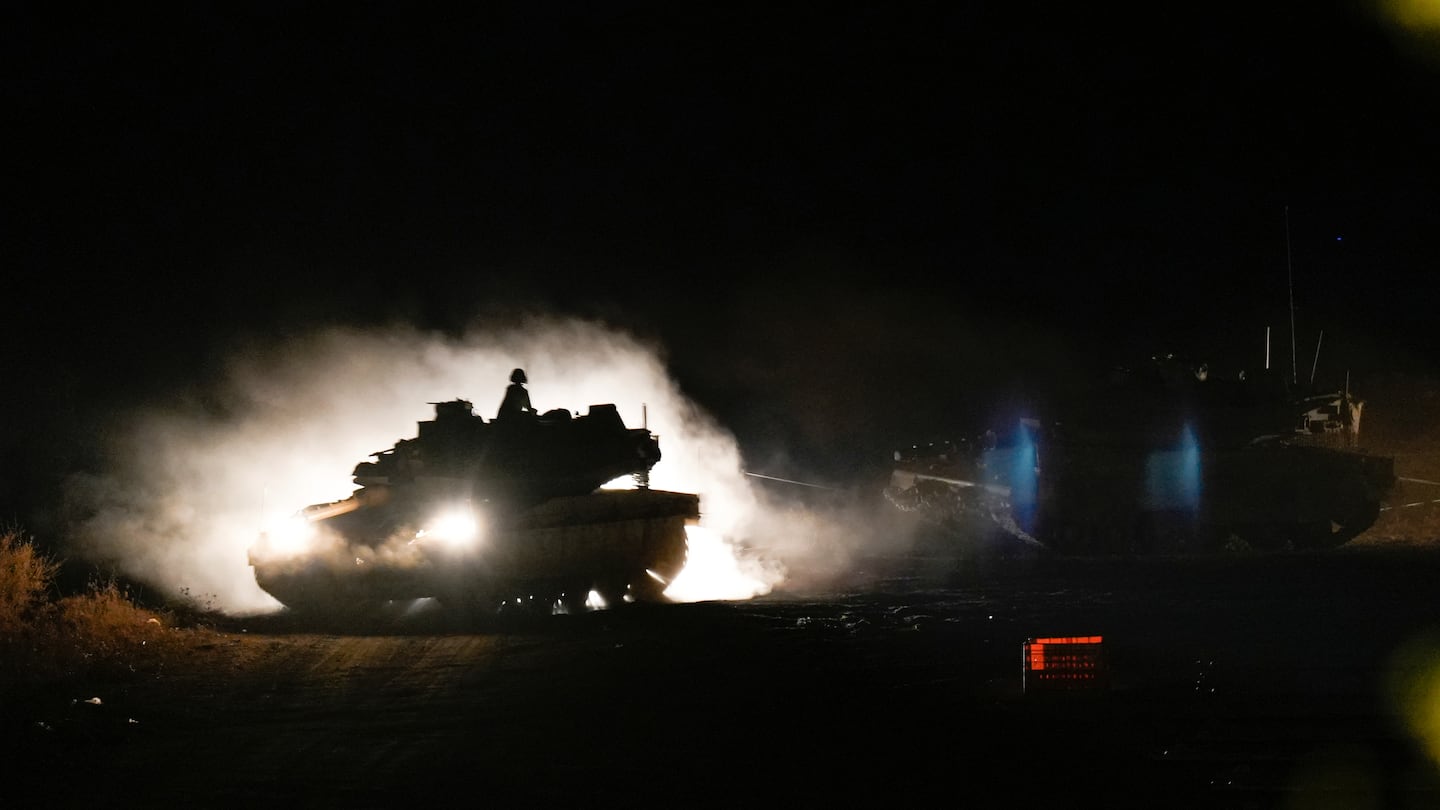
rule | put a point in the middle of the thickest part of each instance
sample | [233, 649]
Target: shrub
[25, 579]
[105, 624]
[101, 632]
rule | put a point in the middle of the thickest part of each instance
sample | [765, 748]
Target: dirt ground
[1232, 681]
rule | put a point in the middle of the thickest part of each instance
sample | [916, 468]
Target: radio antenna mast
[1290, 271]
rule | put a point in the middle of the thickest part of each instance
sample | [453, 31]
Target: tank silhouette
[1156, 460]
[488, 516]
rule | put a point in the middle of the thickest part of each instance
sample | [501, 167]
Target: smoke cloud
[193, 482]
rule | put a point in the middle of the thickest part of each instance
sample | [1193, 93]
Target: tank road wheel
[640, 588]
[649, 585]
[337, 613]
[526, 606]
[318, 596]
[646, 589]
[613, 591]
[1339, 531]
[574, 599]
[470, 603]
[1360, 514]
[1310, 536]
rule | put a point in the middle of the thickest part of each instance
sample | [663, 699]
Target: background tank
[484, 515]
[1160, 459]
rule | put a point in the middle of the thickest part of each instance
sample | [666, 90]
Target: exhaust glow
[714, 570]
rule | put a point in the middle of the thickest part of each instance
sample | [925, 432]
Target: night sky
[846, 225]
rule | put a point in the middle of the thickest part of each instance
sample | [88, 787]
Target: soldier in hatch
[517, 399]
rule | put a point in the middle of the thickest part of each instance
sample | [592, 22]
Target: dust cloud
[193, 482]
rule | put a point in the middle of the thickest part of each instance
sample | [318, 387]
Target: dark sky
[823, 211]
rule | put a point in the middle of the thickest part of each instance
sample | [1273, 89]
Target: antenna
[1290, 269]
[1267, 348]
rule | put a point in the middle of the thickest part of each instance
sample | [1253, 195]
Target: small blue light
[1339, 239]
[1024, 474]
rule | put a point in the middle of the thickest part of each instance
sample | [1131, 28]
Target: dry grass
[101, 633]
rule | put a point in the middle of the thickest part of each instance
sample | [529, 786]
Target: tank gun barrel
[789, 481]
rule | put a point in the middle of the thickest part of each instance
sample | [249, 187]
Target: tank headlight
[456, 528]
[291, 537]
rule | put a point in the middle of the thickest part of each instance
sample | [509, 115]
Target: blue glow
[1172, 477]
[1024, 478]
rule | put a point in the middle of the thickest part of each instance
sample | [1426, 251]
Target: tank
[488, 516]
[1159, 459]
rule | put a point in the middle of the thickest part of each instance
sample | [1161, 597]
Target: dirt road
[1237, 682]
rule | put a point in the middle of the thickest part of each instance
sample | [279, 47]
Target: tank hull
[1088, 498]
[623, 545]
[1275, 496]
